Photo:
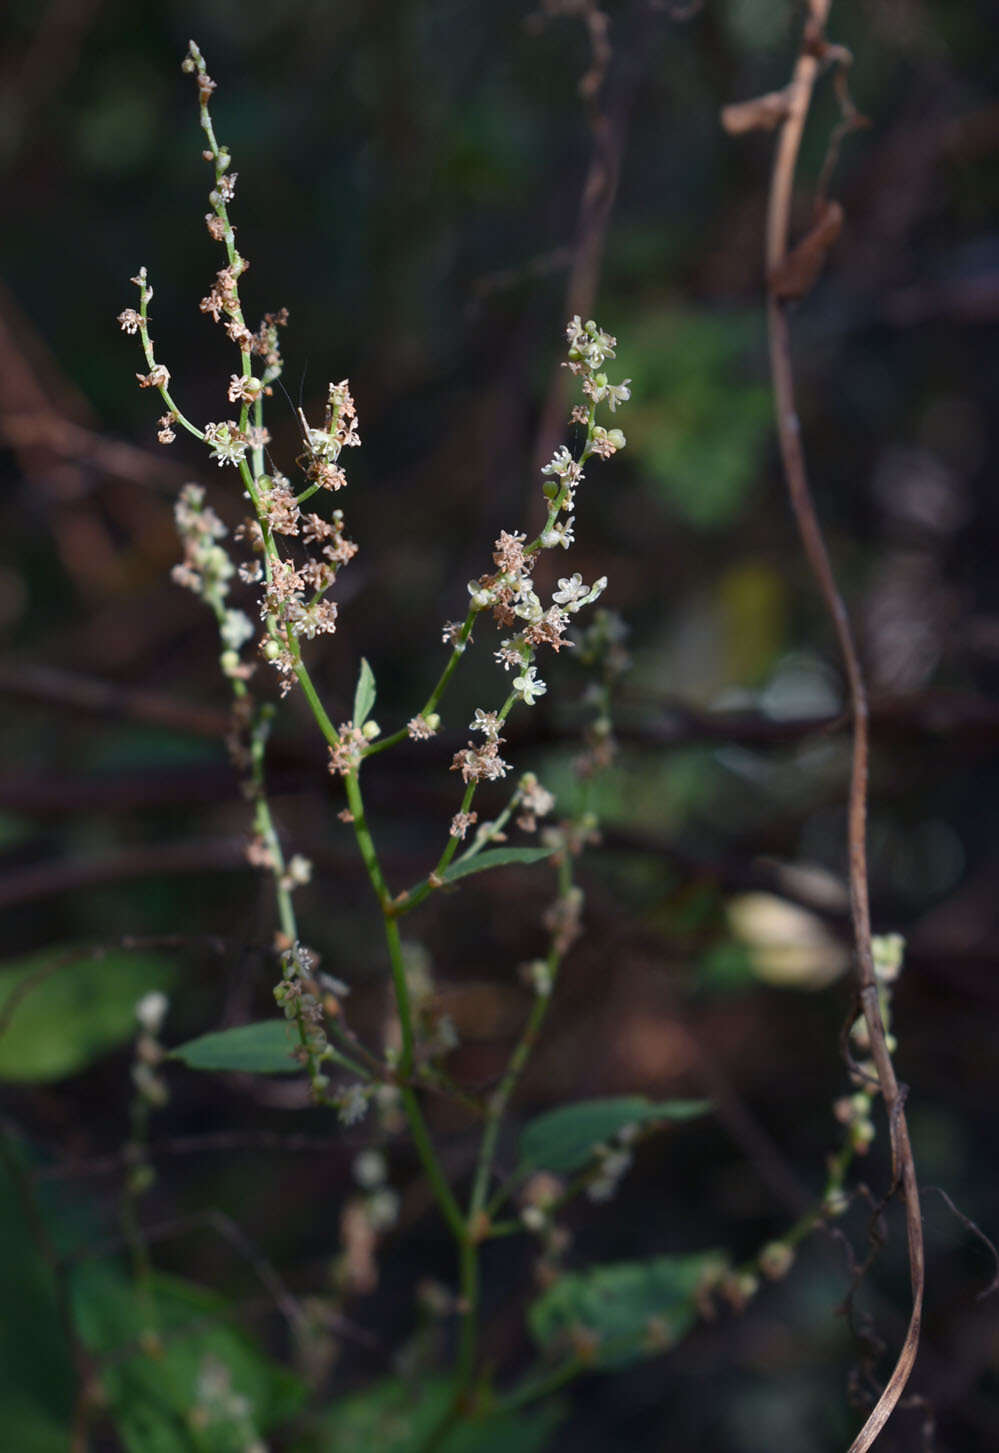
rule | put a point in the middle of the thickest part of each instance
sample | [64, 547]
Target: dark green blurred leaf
[697, 426]
[259, 1049]
[36, 1377]
[563, 1140]
[395, 1416]
[72, 1015]
[172, 1369]
[634, 1309]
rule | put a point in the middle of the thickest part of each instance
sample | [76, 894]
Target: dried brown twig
[816, 53]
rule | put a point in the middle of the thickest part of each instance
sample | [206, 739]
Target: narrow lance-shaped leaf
[493, 858]
[564, 1140]
[260, 1049]
[364, 694]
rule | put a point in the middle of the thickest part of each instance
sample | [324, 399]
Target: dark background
[409, 189]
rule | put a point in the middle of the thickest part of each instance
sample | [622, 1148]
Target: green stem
[497, 1107]
[411, 1105]
[431, 1164]
[469, 1335]
[533, 1389]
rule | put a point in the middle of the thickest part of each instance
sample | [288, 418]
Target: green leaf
[563, 1140]
[633, 1309]
[698, 423]
[493, 858]
[364, 694]
[36, 1370]
[167, 1350]
[396, 1416]
[72, 1008]
[259, 1049]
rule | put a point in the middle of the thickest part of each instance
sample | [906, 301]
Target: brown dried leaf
[762, 113]
[801, 268]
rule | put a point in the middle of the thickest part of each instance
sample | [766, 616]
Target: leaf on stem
[615, 1314]
[477, 863]
[364, 694]
[565, 1140]
[493, 858]
[170, 1355]
[259, 1049]
[399, 1416]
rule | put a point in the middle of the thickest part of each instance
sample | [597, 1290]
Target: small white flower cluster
[150, 1086]
[208, 571]
[352, 1104]
[419, 728]
[207, 568]
[227, 442]
[298, 872]
[539, 976]
[484, 763]
[300, 996]
[539, 1199]
[220, 1413]
[345, 756]
[509, 592]
[324, 446]
[292, 603]
[612, 1163]
[564, 920]
[534, 801]
[856, 1111]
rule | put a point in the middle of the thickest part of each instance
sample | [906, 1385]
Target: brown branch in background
[67, 690]
[608, 121]
[33, 75]
[45, 428]
[815, 52]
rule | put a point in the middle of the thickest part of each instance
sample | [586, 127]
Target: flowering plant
[270, 604]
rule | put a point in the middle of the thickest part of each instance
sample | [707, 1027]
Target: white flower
[528, 687]
[573, 594]
[618, 393]
[482, 597]
[534, 1218]
[352, 1105]
[570, 593]
[561, 533]
[589, 346]
[510, 653]
[486, 722]
[539, 976]
[151, 1010]
[227, 444]
[383, 1209]
[299, 871]
[529, 607]
[562, 465]
[370, 1169]
[236, 629]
